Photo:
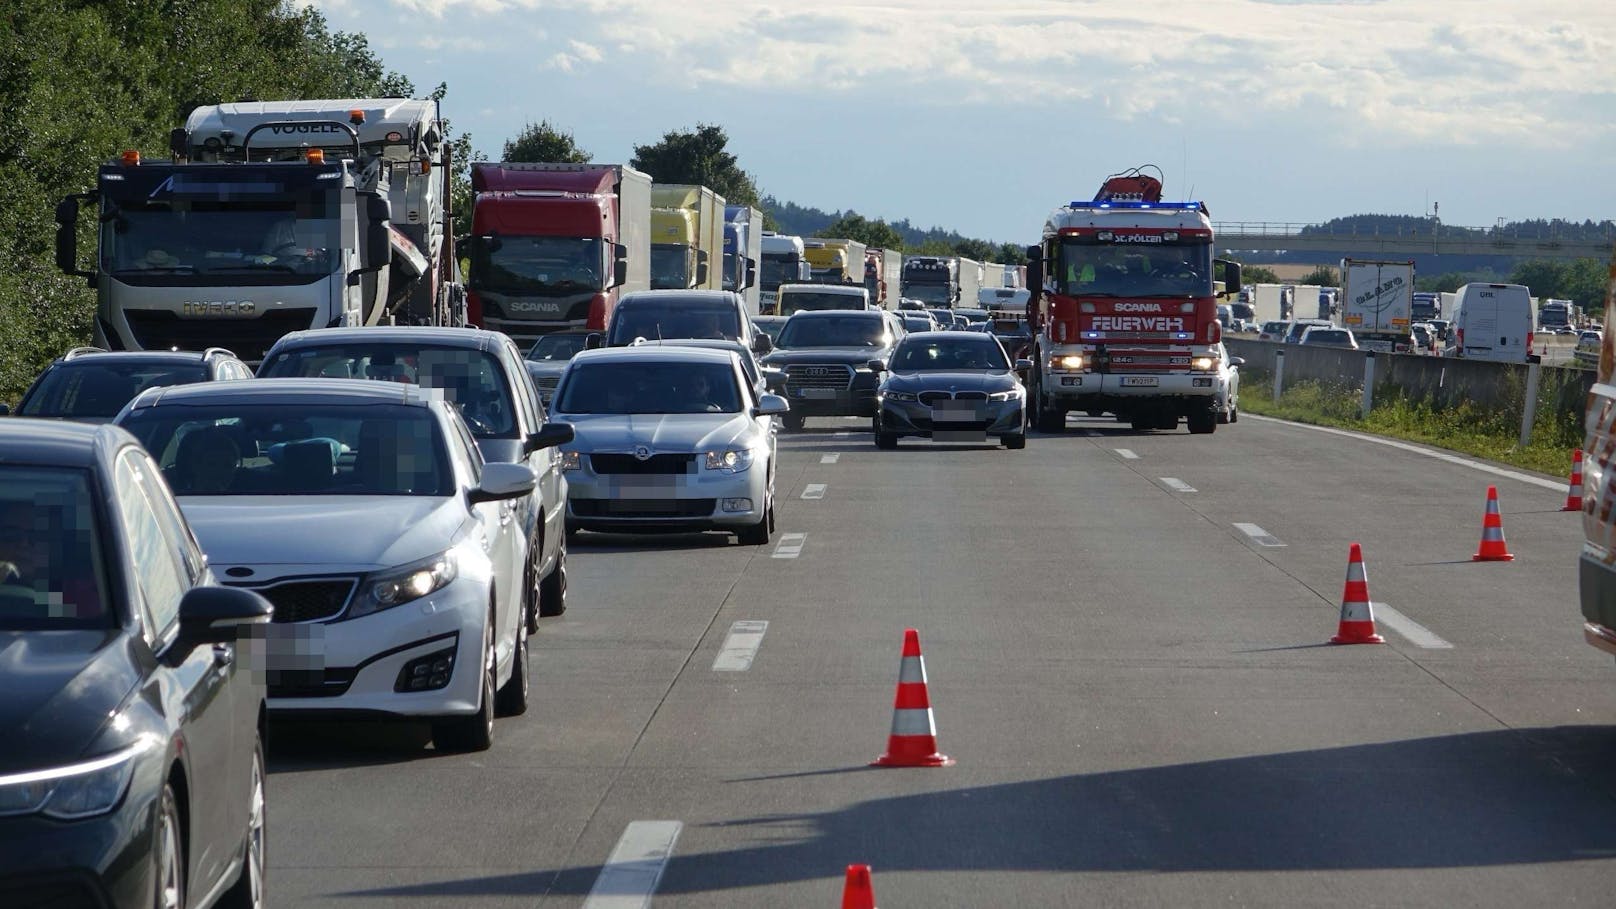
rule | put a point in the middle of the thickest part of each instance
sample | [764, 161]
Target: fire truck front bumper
[1089, 385]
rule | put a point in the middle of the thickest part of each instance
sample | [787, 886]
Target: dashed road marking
[1093, 433]
[1127, 454]
[790, 545]
[830, 458]
[844, 435]
[740, 646]
[1258, 535]
[814, 491]
[1177, 485]
[1417, 634]
[630, 876]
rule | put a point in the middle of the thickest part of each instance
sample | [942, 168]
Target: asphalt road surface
[1132, 677]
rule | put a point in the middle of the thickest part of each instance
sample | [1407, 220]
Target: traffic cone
[913, 742]
[1357, 615]
[1574, 493]
[858, 893]
[1492, 548]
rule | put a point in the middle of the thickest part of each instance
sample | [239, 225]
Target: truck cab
[783, 262]
[687, 237]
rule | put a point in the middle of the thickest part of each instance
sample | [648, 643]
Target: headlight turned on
[73, 791]
[1003, 396]
[1204, 363]
[905, 396]
[734, 461]
[394, 587]
[1067, 361]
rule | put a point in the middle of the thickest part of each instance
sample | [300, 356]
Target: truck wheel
[792, 422]
[1050, 419]
[1234, 414]
[1167, 422]
[1140, 423]
[886, 441]
[1203, 423]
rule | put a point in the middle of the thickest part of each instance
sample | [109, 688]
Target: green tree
[1546, 277]
[1257, 274]
[980, 250]
[854, 226]
[1012, 254]
[1444, 283]
[698, 156]
[1323, 276]
[544, 142]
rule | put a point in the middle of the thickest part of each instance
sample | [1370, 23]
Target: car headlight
[906, 396]
[1004, 395]
[734, 460]
[1205, 364]
[1068, 361]
[74, 791]
[396, 586]
[571, 460]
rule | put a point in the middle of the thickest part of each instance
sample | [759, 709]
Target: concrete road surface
[1125, 635]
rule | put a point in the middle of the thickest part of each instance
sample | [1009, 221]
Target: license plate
[1140, 381]
[959, 435]
[956, 415]
[816, 393]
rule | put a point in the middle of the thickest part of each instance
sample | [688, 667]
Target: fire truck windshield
[1086, 268]
[538, 265]
[255, 242]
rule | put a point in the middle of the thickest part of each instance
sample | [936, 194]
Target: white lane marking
[830, 458]
[631, 875]
[1127, 454]
[740, 646]
[843, 435]
[1177, 485]
[1417, 634]
[1258, 535]
[790, 545]
[814, 491]
[1556, 485]
[1093, 433]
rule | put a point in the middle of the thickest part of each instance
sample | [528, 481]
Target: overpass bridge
[1275, 236]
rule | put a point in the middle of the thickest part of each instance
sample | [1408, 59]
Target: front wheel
[1016, 442]
[475, 732]
[757, 534]
[1202, 423]
[886, 441]
[793, 422]
[170, 854]
[553, 589]
[248, 890]
[1049, 418]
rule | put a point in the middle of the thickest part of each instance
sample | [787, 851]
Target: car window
[640, 386]
[834, 331]
[522, 385]
[467, 448]
[89, 388]
[159, 572]
[52, 561]
[558, 347]
[169, 517]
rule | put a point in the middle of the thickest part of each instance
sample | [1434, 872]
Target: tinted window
[299, 449]
[101, 389]
[51, 558]
[807, 300]
[958, 352]
[675, 318]
[834, 331]
[649, 387]
[559, 347]
[469, 378]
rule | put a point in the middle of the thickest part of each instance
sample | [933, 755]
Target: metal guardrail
[1438, 232]
[1410, 240]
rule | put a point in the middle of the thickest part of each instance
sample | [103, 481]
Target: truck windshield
[538, 265]
[802, 301]
[1134, 270]
[256, 242]
[777, 270]
[670, 266]
[930, 293]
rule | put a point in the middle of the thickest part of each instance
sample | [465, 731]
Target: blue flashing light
[1182, 335]
[1166, 206]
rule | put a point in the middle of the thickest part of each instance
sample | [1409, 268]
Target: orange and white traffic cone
[1492, 548]
[858, 892]
[1574, 492]
[913, 742]
[1357, 615]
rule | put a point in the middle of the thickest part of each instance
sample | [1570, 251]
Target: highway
[1125, 638]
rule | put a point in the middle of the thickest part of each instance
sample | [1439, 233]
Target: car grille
[309, 683]
[248, 338]
[547, 383]
[308, 601]
[656, 464]
[643, 508]
[930, 398]
[818, 375]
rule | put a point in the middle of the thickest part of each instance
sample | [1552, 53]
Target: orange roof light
[130, 158]
[314, 155]
[356, 116]
[426, 165]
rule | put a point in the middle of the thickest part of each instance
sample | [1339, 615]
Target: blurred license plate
[1139, 381]
[816, 392]
[959, 435]
[955, 412]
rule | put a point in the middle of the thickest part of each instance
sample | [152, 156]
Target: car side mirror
[549, 436]
[876, 366]
[762, 344]
[220, 615]
[504, 481]
[593, 340]
[1237, 361]
[1023, 365]
[771, 406]
[5, 410]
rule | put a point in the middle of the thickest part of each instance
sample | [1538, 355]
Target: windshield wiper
[158, 270]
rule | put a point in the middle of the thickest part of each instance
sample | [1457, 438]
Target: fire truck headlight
[1069, 361]
[1203, 363]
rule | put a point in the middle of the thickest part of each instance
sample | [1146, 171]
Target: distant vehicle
[1424, 336]
[1556, 314]
[134, 758]
[971, 315]
[1228, 385]
[1225, 316]
[1328, 336]
[1492, 322]
[918, 321]
[377, 499]
[795, 298]
[1440, 326]
[769, 325]
[826, 357]
[1377, 302]
[687, 237]
[783, 263]
[669, 439]
[991, 298]
[663, 314]
[1295, 330]
[951, 387]
[1425, 307]
[91, 385]
[548, 357]
[1274, 331]
[1013, 332]
[743, 251]
[1588, 345]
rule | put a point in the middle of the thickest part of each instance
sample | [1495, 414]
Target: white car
[668, 439]
[364, 511]
[1228, 386]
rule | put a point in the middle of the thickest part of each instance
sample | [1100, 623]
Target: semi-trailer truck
[942, 281]
[743, 250]
[883, 273]
[1553, 314]
[270, 218]
[554, 246]
[1425, 307]
[1377, 303]
[835, 261]
[783, 263]
[1273, 303]
[1124, 310]
[687, 237]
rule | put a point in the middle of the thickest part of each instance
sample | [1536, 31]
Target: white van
[1492, 322]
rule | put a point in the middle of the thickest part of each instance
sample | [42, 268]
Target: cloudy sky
[982, 115]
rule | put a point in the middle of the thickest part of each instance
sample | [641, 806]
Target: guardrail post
[1279, 373]
[1368, 383]
[1529, 412]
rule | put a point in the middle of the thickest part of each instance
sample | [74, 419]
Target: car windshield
[538, 265]
[51, 563]
[668, 319]
[98, 390]
[1317, 336]
[1135, 269]
[559, 347]
[296, 449]
[649, 387]
[834, 331]
[770, 327]
[469, 378]
[808, 300]
[954, 353]
[916, 323]
[1300, 328]
[777, 269]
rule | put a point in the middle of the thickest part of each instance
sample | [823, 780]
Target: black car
[91, 385]
[548, 357]
[132, 715]
[952, 386]
[827, 356]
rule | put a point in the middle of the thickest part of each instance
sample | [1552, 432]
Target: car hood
[61, 688]
[954, 380]
[852, 356]
[358, 533]
[670, 432]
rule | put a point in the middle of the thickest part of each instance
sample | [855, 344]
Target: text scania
[1138, 323]
[1137, 307]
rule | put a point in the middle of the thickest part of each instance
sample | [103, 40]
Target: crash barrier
[1517, 390]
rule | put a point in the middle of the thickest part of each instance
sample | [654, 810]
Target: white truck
[1377, 303]
[273, 217]
[1311, 301]
[783, 263]
[1272, 303]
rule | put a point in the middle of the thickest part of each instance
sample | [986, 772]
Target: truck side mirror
[751, 273]
[378, 232]
[67, 238]
[701, 267]
[1231, 275]
[619, 265]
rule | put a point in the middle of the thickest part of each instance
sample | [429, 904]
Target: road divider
[790, 545]
[1127, 454]
[1258, 535]
[1177, 485]
[831, 458]
[740, 646]
[913, 741]
[1417, 634]
[814, 491]
[632, 873]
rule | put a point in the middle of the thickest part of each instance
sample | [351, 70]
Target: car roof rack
[82, 351]
[212, 352]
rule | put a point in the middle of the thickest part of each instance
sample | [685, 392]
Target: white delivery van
[1492, 322]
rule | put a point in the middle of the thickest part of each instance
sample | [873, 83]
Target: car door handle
[223, 654]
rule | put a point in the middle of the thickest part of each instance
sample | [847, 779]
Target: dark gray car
[951, 386]
[826, 357]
